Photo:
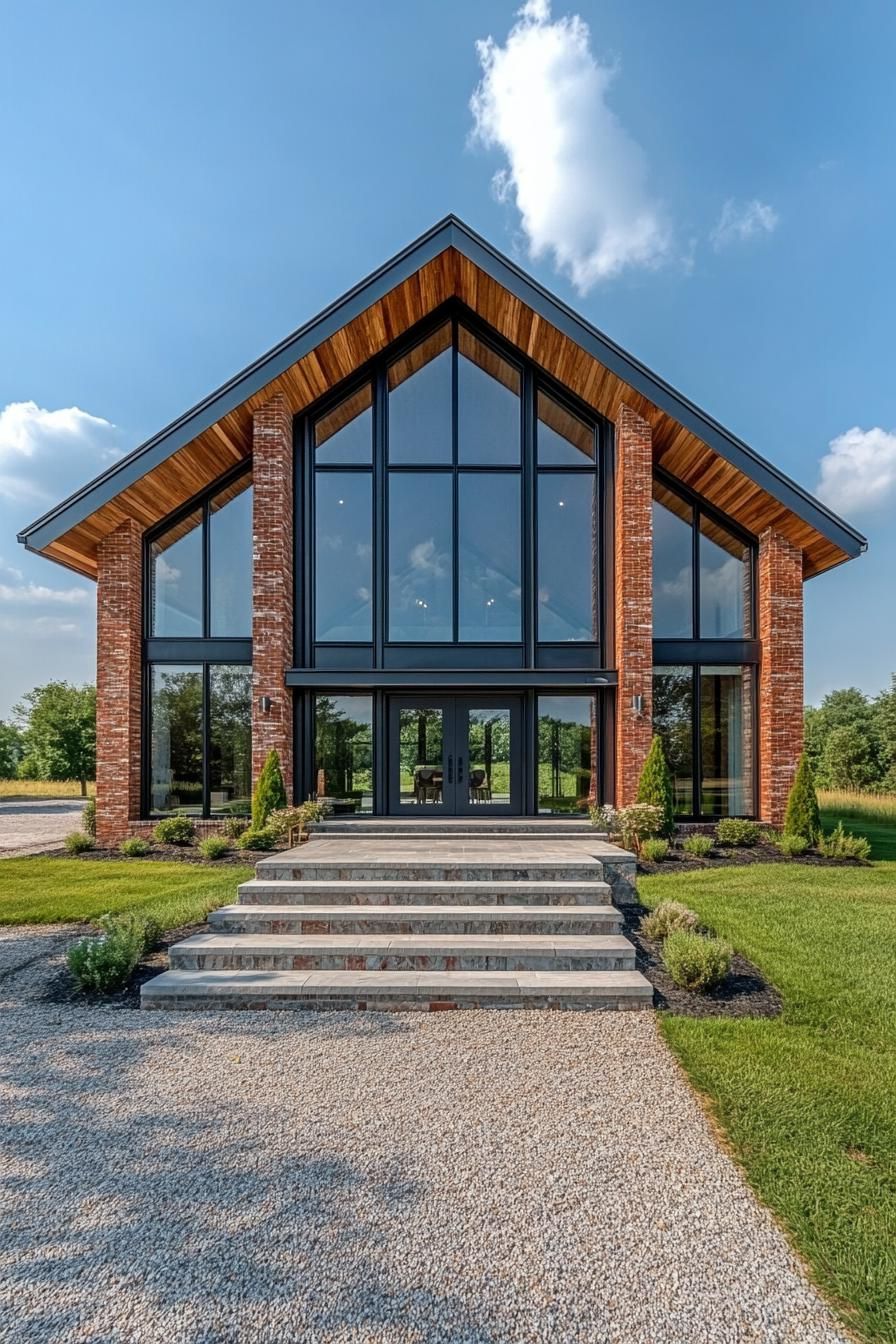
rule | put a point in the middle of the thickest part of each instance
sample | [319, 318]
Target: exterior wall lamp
[638, 704]
[264, 704]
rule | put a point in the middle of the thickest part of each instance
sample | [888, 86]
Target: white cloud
[858, 472]
[740, 221]
[43, 453]
[39, 593]
[576, 176]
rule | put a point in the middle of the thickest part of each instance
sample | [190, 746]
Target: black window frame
[174, 650]
[381, 652]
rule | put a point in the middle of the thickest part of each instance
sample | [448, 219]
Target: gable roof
[449, 260]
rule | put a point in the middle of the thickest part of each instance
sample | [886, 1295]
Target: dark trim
[671, 652]
[447, 680]
[450, 232]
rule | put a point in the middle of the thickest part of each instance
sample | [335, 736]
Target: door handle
[450, 764]
[460, 769]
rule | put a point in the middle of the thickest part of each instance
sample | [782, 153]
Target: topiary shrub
[802, 816]
[654, 851]
[666, 918]
[213, 847]
[791, 845]
[257, 837]
[78, 842]
[134, 847]
[736, 831]
[270, 791]
[842, 844]
[88, 817]
[655, 786]
[696, 963]
[698, 845]
[102, 965]
[234, 826]
[175, 831]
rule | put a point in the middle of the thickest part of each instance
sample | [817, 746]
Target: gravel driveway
[37, 825]
[409, 1179]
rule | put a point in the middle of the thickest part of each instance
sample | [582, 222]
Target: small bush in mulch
[213, 847]
[78, 842]
[683, 857]
[175, 831]
[695, 962]
[736, 831]
[257, 838]
[794, 846]
[655, 850]
[842, 844]
[152, 959]
[135, 847]
[700, 846]
[668, 917]
[103, 964]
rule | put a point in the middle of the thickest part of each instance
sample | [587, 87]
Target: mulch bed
[730, 856]
[61, 988]
[239, 858]
[743, 993]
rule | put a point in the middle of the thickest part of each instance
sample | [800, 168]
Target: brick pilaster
[633, 601]
[118, 681]
[272, 584]
[780, 581]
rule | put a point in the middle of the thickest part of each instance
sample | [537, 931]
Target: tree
[802, 816]
[655, 785]
[59, 731]
[885, 721]
[270, 791]
[849, 760]
[11, 750]
[845, 709]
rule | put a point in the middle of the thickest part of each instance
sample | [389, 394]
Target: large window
[200, 747]
[343, 751]
[567, 525]
[567, 753]
[200, 569]
[702, 572]
[705, 716]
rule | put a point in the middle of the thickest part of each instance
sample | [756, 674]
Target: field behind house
[871, 814]
[28, 790]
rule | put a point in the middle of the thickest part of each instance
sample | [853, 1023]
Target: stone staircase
[453, 913]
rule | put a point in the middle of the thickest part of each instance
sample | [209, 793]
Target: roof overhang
[455, 262]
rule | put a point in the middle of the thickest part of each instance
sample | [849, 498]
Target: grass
[871, 814]
[808, 1100]
[25, 790]
[51, 891]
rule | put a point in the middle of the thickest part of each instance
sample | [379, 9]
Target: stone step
[398, 918]
[290, 866]
[454, 828]
[402, 952]
[264, 890]
[397, 990]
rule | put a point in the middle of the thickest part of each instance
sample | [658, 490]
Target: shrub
[101, 965]
[175, 831]
[655, 786]
[88, 817]
[605, 818]
[282, 819]
[655, 850]
[735, 831]
[802, 816]
[213, 847]
[638, 821]
[77, 842]
[694, 962]
[234, 826]
[842, 844]
[134, 847]
[666, 918]
[791, 845]
[698, 845]
[270, 791]
[257, 837]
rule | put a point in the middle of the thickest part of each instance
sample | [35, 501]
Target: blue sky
[181, 185]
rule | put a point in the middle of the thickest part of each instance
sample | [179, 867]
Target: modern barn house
[451, 552]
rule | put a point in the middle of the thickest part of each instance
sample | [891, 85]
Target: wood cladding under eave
[448, 275]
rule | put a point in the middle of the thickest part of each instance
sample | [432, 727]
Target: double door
[455, 755]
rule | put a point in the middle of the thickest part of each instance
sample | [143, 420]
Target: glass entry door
[455, 755]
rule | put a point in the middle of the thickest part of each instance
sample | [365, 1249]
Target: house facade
[449, 551]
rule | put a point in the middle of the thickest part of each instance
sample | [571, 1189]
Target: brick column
[272, 584]
[119, 616]
[633, 597]
[780, 672]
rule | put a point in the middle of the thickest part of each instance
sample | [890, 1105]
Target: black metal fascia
[449, 232]
[455, 679]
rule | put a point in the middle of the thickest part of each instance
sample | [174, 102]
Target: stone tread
[253, 944]
[321, 886]
[388, 914]
[506, 986]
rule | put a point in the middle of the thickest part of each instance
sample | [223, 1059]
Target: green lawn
[868, 814]
[808, 1100]
[50, 891]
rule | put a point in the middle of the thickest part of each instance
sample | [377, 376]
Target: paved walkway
[468, 1178]
[42, 824]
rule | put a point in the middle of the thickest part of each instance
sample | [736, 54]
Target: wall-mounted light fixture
[264, 704]
[638, 704]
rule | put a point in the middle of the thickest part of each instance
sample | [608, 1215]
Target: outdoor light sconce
[638, 704]
[264, 704]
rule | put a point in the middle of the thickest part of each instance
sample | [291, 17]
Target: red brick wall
[272, 584]
[780, 580]
[118, 681]
[633, 602]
